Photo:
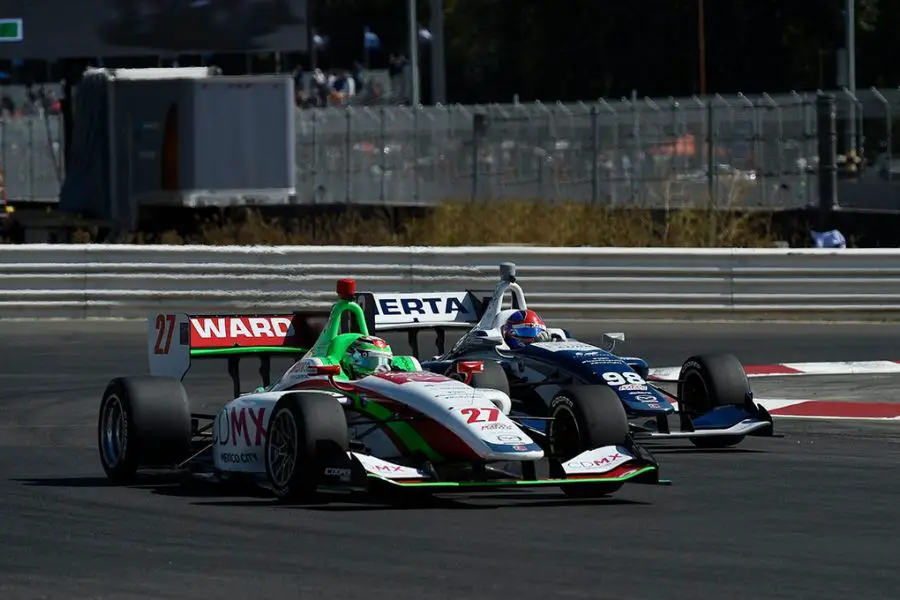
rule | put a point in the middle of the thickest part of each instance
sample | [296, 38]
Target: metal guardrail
[90, 281]
[650, 152]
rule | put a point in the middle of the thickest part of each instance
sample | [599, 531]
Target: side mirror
[612, 338]
[332, 370]
[468, 368]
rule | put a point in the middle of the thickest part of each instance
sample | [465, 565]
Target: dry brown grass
[536, 223]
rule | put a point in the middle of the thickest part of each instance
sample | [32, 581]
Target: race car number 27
[481, 415]
[165, 327]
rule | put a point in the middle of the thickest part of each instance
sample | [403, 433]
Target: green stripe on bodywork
[248, 350]
[519, 483]
[407, 434]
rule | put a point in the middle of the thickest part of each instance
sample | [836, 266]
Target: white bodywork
[478, 417]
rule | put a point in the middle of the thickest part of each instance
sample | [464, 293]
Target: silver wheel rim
[282, 453]
[114, 431]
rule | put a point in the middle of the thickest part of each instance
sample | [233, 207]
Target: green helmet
[366, 355]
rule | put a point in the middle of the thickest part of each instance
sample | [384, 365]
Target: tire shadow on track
[252, 496]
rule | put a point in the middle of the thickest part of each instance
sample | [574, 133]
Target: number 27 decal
[165, 327]
[475, 414]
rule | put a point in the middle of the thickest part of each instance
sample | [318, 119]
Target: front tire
[143, 422]
[708, 382]
[585, 417]
[306, 433]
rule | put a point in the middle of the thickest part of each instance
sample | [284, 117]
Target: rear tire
[307, 433]
[586, 417]
[143, 422]
[710, 381]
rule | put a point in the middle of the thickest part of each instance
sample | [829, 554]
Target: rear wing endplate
[175, 340]
[413, 312]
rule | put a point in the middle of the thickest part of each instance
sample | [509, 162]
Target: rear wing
[413, 312]
[175, 340]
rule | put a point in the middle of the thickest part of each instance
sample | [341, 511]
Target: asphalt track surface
[809, 515]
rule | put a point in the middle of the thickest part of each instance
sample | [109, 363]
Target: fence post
[886, 145]
[348, 153]
[826, 113]
[382, 144]
[711, 173]
[595, 154]
[479, 127]
[30, 155]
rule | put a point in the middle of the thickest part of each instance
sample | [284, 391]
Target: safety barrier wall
[90, 281]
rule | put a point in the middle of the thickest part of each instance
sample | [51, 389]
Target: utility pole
[850, 42]
[438, 62]
[701, 32]
[413, 50]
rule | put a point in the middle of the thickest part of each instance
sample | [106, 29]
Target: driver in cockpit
[365, 356]
[524, 327]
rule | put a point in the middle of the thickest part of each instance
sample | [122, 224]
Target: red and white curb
[867, 367]
[830, 409]
[817, 409]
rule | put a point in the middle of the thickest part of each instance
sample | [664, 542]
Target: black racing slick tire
[143, 422]
[710, 381]
[584, 417]
[307, 434]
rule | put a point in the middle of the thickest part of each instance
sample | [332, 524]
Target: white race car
[316, 430]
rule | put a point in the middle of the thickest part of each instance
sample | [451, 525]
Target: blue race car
[563, 383]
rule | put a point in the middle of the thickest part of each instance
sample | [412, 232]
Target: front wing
[613, 465]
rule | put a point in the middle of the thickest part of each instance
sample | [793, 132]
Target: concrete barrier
[91, 281]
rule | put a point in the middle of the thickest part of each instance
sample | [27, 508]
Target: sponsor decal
[565, 346]
[432, 305]
[602, 360]
[497, 427]
[591, 464]
[244, 424]
[645, 397]
[234, 458]
[505, 437]
[344, 474]
[632, 387]
[401, 377]
[520, 448]
[216, 332]
[387, 468]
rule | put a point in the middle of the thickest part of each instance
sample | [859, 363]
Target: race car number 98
[628, 377]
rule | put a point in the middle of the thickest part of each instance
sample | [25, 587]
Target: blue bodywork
[591, 365]
[576, 362]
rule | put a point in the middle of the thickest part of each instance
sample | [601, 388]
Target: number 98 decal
[626, 378]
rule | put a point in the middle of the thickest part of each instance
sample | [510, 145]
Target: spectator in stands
[319, 88]
[300, 86]
[359, 77]
[7, 107]
[397, 74]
